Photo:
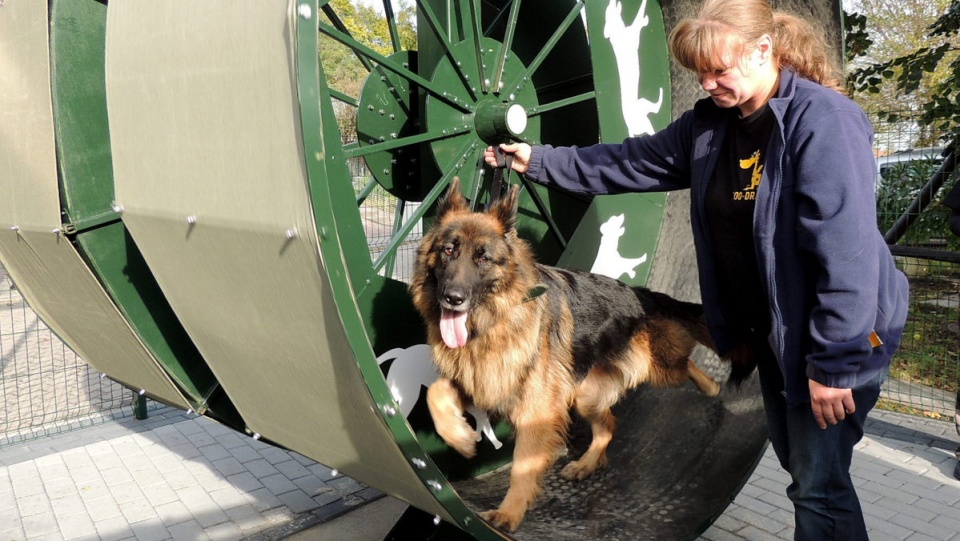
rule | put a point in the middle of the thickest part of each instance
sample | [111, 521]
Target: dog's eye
[448, 250]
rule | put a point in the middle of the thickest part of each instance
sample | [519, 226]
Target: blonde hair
[723, 27]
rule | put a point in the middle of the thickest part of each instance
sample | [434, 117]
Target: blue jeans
[825, 501]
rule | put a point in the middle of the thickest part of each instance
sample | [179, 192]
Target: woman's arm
[658, 162]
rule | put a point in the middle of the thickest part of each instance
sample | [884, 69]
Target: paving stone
[187, 531]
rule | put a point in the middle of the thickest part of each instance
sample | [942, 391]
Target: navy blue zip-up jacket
[829, 276]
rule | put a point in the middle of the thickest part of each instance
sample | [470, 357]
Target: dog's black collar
[535, 292]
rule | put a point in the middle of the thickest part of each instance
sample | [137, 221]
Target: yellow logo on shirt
[749, 192]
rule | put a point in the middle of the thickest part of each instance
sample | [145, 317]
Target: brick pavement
[178, 477]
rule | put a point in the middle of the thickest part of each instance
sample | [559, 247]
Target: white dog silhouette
[625, 41]
[413, 370]
[609, 262]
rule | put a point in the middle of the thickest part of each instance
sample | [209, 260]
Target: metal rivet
[436, 520]
[390, 410]
[420, 463]
[334, 472]
[305, 11]
[192, 219]
[142, 392]
[435, 485]
[15, 228]
[256, 435]
[292, 233]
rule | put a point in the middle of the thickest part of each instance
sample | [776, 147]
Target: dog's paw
[581, 469]
[460, 436]
[465, 445]
[501, 519]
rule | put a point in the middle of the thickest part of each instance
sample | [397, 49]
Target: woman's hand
[830, 405]
[521, 156]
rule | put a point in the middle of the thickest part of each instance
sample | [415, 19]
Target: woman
[792, 266]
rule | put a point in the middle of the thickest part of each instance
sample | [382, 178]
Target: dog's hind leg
[705, 383]
[598, 392]
[446, 407]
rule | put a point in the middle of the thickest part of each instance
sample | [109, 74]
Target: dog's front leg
[538, 441]
[446, 405]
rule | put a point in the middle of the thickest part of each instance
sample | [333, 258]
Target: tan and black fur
[581, 343]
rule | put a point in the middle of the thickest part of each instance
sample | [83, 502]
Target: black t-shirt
[731, 199]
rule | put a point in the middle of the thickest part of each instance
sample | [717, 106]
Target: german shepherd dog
[528, 342]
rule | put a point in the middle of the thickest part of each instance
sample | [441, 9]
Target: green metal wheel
[483, 73]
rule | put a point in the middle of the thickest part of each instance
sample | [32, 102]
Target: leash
[504, 163]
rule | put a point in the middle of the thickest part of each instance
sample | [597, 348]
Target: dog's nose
[454, 297]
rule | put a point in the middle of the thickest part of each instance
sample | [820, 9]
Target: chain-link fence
[915, 172]
[45, 387]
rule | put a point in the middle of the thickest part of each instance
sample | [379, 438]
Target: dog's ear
[453, 200]
[505, 210]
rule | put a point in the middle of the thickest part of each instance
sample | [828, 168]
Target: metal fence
[45, 388]
[915, 172]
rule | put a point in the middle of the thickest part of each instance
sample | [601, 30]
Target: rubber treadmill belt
[677, 460]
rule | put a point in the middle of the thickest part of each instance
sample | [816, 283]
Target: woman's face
[745, 81]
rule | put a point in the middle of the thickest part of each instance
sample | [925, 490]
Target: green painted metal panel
[46, 267]
[628, 45]
[211, 167]
[78, 30]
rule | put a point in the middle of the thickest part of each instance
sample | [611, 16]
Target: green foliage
[856, 38]
[342, 67]
[914, 72]
[899, 189]
[369, 27]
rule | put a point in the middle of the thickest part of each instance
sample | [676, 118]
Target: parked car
[908, 163]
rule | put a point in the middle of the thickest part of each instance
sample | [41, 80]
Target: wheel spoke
[366, 191]
[511, 29]
[547, 47]
[349, 100]
[544, 212]
[354, 150]
[540, 109]
[474, 27]
[338, 24]
[444, 39]
[364, 51]
[404, 230]
[392, 24]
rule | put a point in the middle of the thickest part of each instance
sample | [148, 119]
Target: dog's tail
[689, 314]
[742, 358]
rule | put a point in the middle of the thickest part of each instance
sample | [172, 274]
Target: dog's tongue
[453, 328]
